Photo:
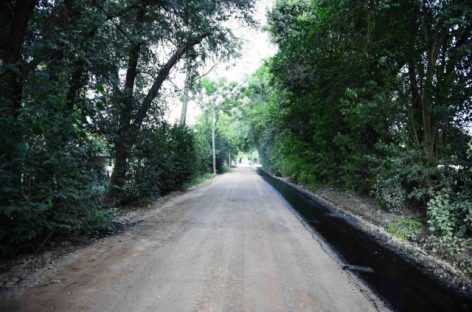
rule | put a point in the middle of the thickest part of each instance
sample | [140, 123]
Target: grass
[198, 180]
[404, 228]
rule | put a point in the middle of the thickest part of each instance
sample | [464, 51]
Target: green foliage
[448, 217]
[449, 246]
[453, 248]
[51, 186]
[400, 176]
[163, 159]
[404, 228]
[442, 215]
[219, 102]
[224, 147]
[339, 102]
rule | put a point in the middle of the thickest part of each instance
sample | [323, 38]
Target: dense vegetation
[83, 79]
[373, 97]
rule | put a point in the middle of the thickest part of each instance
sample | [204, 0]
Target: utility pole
[213, 125]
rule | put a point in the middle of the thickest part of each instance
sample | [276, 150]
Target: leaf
[99, 87]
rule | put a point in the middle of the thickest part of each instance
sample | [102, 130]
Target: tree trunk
[77, 81]
[422, 88]
[161, 77]
[118, 175]
[429, 130]
[416, 105]
[129, 129]
[12, 78]
[121, 144]
[188, 82]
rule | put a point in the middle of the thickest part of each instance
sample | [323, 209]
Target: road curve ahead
[230, 245]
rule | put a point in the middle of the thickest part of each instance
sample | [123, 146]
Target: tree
[216, 98]
[435, 56]
[186, 92]
[192, 23]
[370, 96]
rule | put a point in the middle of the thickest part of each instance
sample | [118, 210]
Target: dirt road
[230, 245]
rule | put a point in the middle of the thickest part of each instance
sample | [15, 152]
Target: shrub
[163, 159]
[442, 216]
[402, 177]
[449, 217]
[48, 181]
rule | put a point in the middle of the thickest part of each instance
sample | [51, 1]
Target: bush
[49, 184]
[442, 215]
[402, 177]
[162, 160]
[448, 217]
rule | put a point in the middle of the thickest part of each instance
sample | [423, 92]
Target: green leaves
[47, 182]
[163, 159]
[99, 88]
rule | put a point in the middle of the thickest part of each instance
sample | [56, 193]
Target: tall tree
[176, 28]
[354, 80]
[436, 52]
[186, 91]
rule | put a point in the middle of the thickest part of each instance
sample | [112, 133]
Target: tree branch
[206, 73]
[161, 77]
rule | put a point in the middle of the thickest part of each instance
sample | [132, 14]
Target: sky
[256, 47]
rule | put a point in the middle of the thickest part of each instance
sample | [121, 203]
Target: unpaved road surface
[230, 245]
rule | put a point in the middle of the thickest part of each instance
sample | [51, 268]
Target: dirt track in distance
[230, 245]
